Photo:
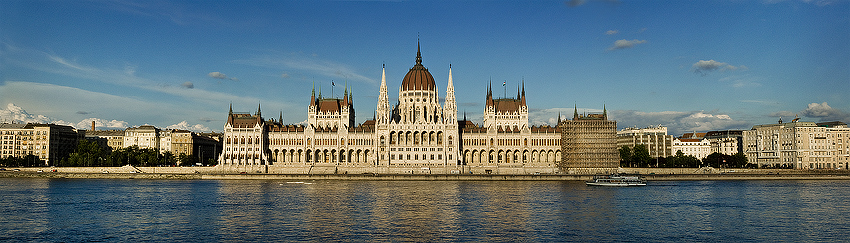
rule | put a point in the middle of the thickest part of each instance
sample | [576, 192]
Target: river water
[103, 210]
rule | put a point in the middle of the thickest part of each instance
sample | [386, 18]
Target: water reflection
[59, 210]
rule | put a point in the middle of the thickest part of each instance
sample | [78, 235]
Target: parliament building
[416, 135]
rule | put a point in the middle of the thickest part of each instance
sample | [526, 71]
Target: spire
[604, 112]
[523, 92]
[559, 117]
[418, 54]
[258, 109]
[575, 113]
[230, 113]
[345, 100]
[517, 92]
[280, 119]
[313, 95]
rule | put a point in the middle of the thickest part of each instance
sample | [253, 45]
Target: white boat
[616, 180]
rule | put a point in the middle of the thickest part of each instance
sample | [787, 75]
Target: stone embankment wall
[331, 172]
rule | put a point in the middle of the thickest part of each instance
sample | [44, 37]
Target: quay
[211, 173]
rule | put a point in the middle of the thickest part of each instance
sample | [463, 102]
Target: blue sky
[688, 65]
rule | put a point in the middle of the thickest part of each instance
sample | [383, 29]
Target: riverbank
[211, 173]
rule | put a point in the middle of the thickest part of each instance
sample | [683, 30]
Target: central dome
[418, 78]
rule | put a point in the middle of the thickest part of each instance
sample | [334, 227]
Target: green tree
[641, 155]
[186, 160]
[625, 156]
[739, 160]
[88, 153]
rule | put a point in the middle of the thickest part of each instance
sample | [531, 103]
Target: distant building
[145, 136]
[698, 146]
[589, 143]
[175, 141]
[656, 140]
[727, 142]
[49, 142]
[111, 139]
[799, 145]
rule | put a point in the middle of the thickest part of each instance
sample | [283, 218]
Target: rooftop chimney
[92, 125]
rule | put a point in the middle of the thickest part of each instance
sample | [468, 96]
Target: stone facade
[49, 142]
[656, 140]
[799, 145]
[416, 135]
[589, 144]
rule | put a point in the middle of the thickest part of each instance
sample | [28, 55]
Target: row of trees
[90, 154]
[26, 161]
[639, 157]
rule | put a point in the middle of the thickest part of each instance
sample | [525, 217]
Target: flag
[332, 83]
[504, 83]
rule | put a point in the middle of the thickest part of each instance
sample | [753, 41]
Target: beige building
[697, 147]
[729, 142]
[418, 134]
[145, 136]
[49, 142]
[800, 145]
[656, 140]
[112, 139]
[505, 143]
[589, 144]
[168, 140]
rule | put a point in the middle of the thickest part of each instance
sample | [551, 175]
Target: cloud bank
[824, 112]
[17, 114]
[185, 126]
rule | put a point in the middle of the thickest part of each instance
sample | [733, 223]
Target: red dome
[418, 78]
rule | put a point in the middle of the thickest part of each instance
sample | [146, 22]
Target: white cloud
[14, 113]
[185, 126]
[677, 122]
[624, 44]
[17, 114]
[702, 67]
[612, 32]
[284, 75]
[825, 112]
[218, 75]
[101, 124]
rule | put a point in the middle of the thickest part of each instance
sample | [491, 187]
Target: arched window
[450, 140]
[383, 141]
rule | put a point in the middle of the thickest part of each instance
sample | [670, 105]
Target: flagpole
[332, 89]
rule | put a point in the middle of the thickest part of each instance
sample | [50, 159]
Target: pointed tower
[604, 112]
[575, 113]
[450, 105]
[258, 110]
[523, 93]
[280, 119]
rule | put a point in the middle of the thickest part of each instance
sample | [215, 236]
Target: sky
[688, 65]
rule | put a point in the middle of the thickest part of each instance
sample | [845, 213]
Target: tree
[641, 155]
[186, 160]
[625, 156]
[88, 153]
[739, 160]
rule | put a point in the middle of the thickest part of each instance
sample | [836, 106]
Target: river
[129, 210]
